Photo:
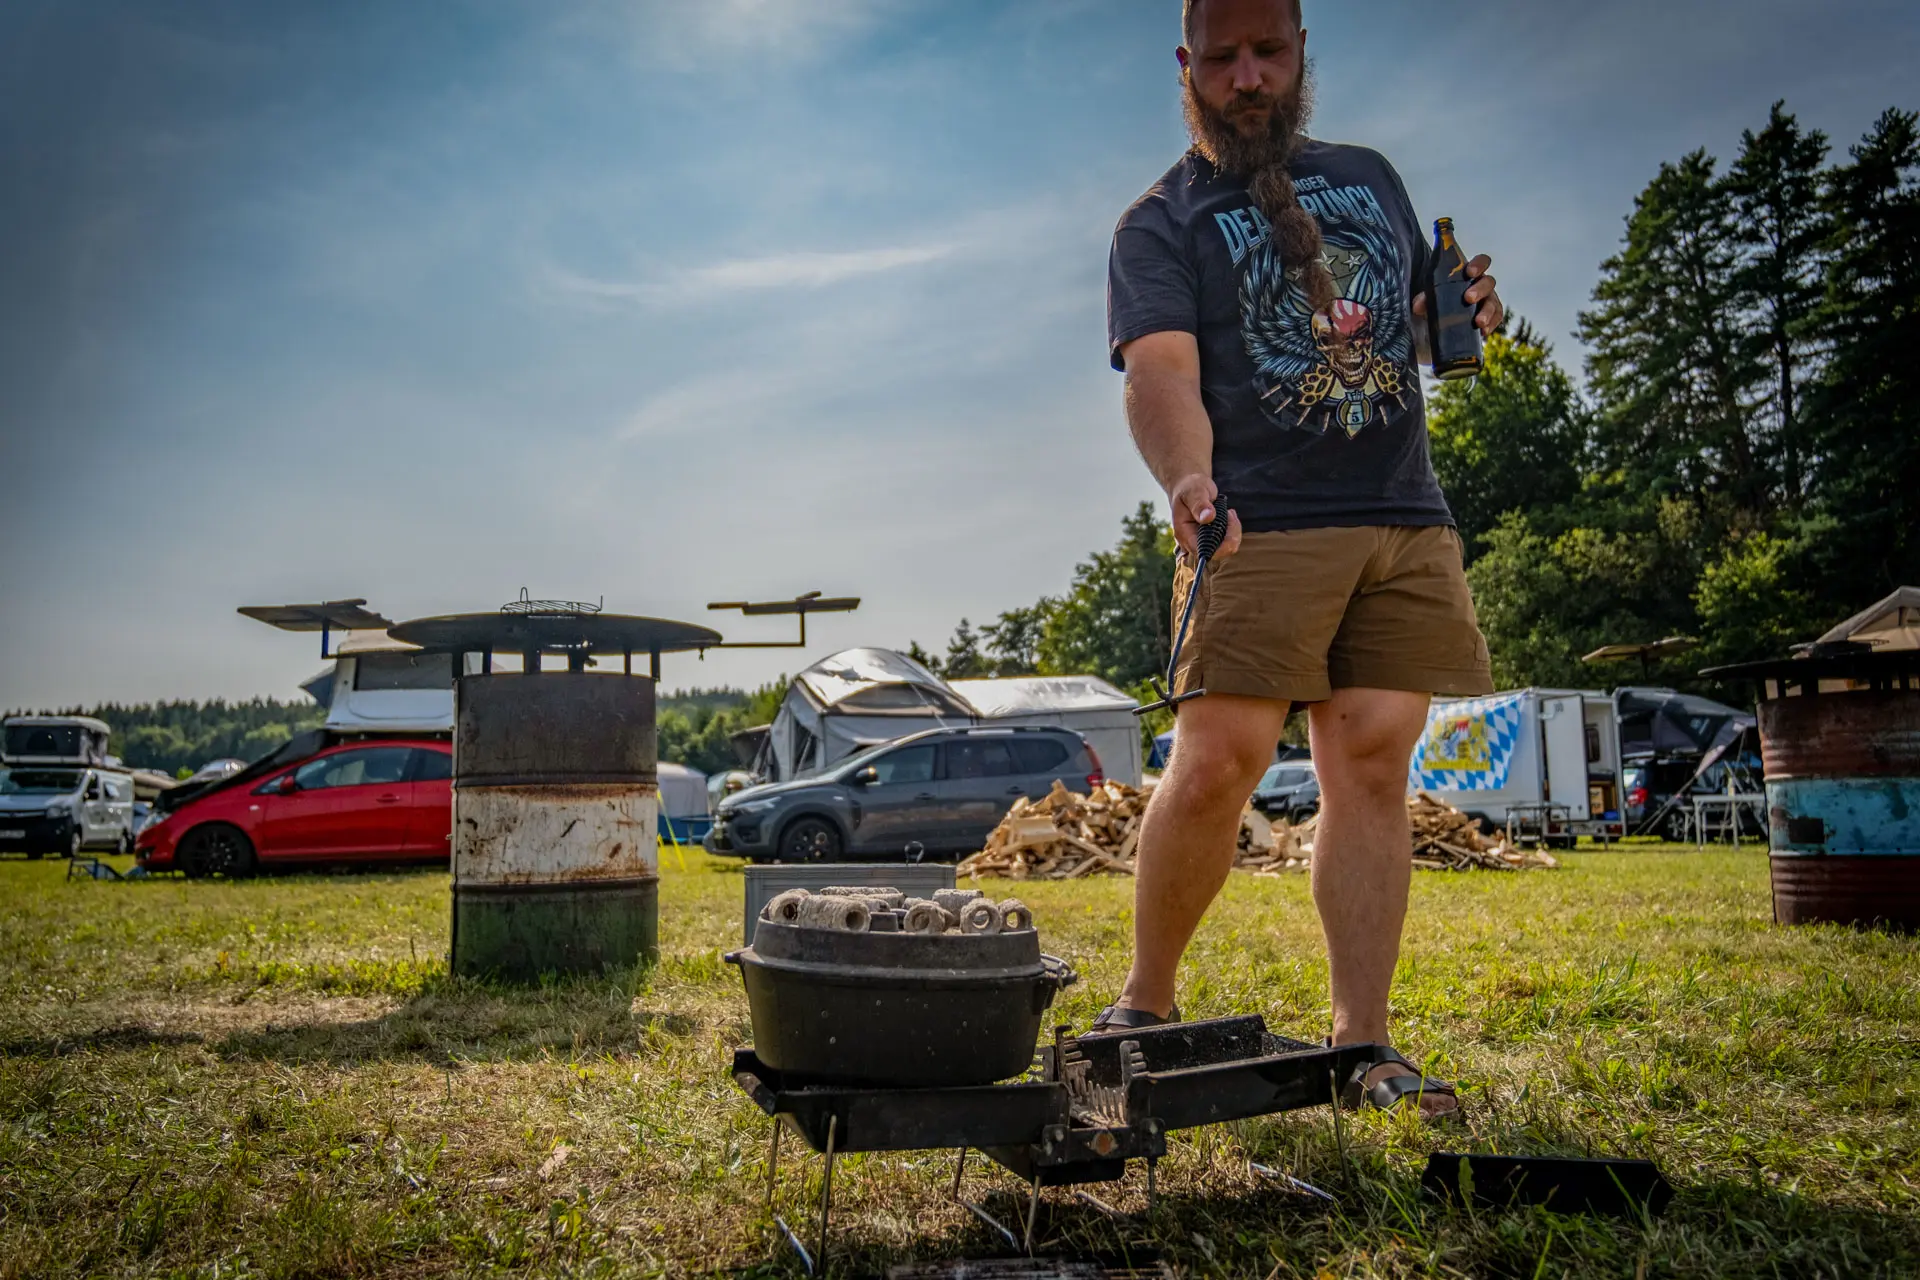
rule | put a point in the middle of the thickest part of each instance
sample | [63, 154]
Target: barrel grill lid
[1869, 666]
[602, 633]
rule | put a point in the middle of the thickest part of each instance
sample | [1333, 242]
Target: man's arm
[1171, 430]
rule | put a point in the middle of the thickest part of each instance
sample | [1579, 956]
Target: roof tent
[860, 697]
[851, 700]
[1088, 705]
[1888, 625]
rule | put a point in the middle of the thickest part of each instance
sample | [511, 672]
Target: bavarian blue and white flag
[1468, 744]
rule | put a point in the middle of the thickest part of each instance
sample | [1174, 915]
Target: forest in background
[178, 737]
[1741, 465]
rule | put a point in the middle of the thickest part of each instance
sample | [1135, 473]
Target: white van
[57, 793]
[1543, 763]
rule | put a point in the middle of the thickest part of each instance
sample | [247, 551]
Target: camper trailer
[1542, 763]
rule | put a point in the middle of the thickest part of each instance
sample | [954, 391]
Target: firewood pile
[1065, 835]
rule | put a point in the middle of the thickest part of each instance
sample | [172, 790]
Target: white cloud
[800, 269]
[811, 270]
[682, 31]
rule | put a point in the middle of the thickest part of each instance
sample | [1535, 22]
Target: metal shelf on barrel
[1092, 1104]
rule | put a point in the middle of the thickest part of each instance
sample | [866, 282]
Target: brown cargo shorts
[1296, 614]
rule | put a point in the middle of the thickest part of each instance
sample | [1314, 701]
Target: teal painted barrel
[1840, 739]
[555, 797]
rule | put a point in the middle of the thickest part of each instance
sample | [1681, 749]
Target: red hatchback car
[386, 801]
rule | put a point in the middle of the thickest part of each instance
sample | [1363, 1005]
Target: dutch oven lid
[1001, 954]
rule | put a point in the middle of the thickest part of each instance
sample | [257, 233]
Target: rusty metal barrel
[555, 795]
[1840, 740]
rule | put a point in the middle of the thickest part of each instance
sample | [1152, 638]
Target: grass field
[278, 1078]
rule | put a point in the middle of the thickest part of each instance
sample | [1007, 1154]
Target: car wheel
[126, 844]
[809, 840]
[215, 850]
[74, 842]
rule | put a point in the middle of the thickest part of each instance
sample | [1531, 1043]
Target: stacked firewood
[1065, 835]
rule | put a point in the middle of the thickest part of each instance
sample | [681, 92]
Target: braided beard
[1262, 162]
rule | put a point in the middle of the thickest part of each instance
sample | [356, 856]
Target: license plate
[13, 835]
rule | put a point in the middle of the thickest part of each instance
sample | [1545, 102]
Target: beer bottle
[1453, 339]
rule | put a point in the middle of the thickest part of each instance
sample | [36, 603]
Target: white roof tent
[1100, 713]
[860, 697]
[852, 700]
[70, 740]
[1888, 625]
[376, 684]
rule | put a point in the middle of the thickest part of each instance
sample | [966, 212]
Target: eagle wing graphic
[1275, 320]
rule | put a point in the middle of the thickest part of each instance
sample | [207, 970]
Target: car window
[909, 764]
[1039, 755]
[431, 766]
[978, 758]
[361, 768]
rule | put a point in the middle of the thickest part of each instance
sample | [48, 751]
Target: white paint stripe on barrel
[554, 834]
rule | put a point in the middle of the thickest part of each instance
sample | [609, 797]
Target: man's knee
[1217, 770]
[1366, 748]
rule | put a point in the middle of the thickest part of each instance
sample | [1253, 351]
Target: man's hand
[1488, 317]
[1192, 500]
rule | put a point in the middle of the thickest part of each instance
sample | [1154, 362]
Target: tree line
[1741, 465]
[178, 737]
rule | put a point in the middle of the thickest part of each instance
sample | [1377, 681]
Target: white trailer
[1543, 763]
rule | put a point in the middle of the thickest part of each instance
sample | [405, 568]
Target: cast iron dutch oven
[897, 1010]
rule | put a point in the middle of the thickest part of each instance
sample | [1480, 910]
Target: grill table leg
[1098, 1203]
[826, 1190]
[773, 1161]
[1033, 1208]
[960, 1167]
[1293, 1183]
[1151, 1162]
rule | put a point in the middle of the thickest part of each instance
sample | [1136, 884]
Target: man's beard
[1220, 140]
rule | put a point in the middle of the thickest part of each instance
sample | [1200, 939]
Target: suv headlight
[60, 809]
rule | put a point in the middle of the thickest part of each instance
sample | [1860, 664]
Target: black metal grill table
[1091, 1104]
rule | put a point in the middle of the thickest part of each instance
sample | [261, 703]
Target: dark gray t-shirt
[1306, 434]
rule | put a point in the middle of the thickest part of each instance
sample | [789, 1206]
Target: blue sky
[673, 302]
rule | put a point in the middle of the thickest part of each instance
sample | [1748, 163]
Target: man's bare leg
[1187, 838]
[1363, 855]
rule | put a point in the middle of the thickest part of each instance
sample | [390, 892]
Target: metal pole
[773, 1161]
[1033, 1208]
[826, 1190]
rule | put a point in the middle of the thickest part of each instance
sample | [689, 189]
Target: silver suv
[941, 791]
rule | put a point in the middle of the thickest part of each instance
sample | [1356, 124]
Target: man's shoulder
[1169, 203]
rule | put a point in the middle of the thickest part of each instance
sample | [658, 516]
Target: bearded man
[1261, 302]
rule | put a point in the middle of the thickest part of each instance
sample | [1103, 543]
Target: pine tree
[1667, 364]
[1867, 407]
[1781, 229]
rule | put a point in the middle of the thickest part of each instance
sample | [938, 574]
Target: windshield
[38, 782]
[1283, 775]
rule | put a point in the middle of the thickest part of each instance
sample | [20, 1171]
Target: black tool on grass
[1209, 538]
[1567, 1184]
